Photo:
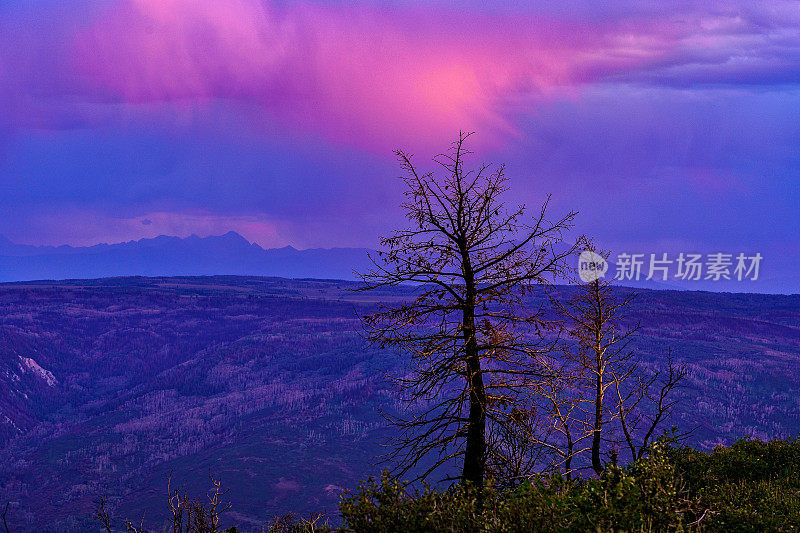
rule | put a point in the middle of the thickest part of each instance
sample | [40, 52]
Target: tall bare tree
[615, 387]
[473, 343]
[601, 350]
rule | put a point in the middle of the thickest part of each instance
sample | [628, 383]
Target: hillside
[108, 385]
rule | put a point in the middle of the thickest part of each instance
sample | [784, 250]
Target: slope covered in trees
[267, 383]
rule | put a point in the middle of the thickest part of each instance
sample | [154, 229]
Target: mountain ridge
[165, 255]
[232, 254]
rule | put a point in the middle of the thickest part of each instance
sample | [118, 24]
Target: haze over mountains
[232, 254]
[229, 254]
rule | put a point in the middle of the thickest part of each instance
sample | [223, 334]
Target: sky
[669, 126]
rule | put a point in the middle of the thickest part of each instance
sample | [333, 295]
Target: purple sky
[669, 127]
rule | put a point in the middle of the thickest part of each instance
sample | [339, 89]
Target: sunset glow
[286, 114]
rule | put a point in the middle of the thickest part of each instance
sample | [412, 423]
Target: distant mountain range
[174, 256]
[232, 254]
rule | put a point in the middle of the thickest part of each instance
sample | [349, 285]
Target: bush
[387, 506]
[645, 496]
[750, 486]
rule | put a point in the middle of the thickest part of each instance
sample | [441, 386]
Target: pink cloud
[366, 77]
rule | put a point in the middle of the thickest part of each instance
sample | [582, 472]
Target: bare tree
[474, 344]
[100, 514]
[131, 527]
[647, 404]
[553, 430]
[601, 352]
[515, 446]
[216, 503]
[177, 501]
[196, 515]
[562, 400]
[602, 360]
[186, 515]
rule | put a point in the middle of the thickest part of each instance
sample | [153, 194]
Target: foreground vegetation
[750, 486]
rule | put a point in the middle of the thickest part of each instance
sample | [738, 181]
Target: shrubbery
[645, 496]
[749, 486]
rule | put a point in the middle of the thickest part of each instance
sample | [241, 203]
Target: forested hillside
[106, 386]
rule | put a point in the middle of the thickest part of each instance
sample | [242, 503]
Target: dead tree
[177, 501]
[196, 515]
[473, 342]
[600, 352]
[187, 515]
[514, 446]
[216, 506]
[546, 435]
[647, 404]
[562, 400]
[602, 361]
[100, 514]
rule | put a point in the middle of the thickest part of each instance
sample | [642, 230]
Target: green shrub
[387, 506]
[645, 496]
[750, 486]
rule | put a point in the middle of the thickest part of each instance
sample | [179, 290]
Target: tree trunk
[597, 465]
[475, 451]
[570, 448]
